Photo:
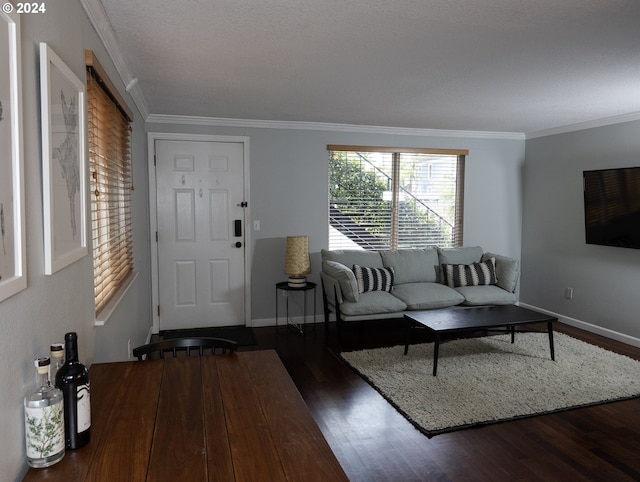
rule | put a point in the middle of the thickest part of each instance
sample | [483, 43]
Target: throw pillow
[475, 274]
[373, 279]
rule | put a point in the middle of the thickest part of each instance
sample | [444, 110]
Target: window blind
[111, 186]
[387, 198]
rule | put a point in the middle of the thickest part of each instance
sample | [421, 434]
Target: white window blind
[387, 198]
[110, 177]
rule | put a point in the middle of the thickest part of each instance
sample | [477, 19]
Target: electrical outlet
[129, 354]
[568, 293]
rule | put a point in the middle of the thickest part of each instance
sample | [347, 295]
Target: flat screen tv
[612, 207]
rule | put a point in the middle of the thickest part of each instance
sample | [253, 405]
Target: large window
[388, 198]
[110, 168]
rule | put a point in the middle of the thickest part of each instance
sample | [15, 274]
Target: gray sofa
[362, 285]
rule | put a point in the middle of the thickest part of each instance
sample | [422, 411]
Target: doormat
[243, 335]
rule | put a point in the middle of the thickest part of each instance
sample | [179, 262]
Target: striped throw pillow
[373, 279]
[476, 274]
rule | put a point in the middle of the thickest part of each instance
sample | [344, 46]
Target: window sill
[103, 317]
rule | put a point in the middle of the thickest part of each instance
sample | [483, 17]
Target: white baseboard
[149, 335]
[262, 322]
[583, 325]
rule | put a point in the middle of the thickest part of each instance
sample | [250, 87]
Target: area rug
[488, 380]
[242, 334]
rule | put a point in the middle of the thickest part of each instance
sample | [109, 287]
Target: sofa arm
[507, 271]
[331, 291]
[341, 279]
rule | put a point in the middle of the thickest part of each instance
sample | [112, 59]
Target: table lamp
[297, 262]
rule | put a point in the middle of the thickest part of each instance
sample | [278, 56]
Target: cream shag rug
[488, 380]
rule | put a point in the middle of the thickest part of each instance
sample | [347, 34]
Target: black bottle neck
[71, 347]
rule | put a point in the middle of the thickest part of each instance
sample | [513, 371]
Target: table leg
[550, 330]
[407, 338]
[436, 348]
[276, 310]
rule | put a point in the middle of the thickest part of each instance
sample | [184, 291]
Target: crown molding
[100, 21]
[607, 121]
[323, 126]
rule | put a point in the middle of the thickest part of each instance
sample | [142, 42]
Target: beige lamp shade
[297, 262]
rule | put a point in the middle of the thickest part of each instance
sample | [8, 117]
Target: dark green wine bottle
[73, 380]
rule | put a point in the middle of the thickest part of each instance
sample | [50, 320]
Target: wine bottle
[57, 360]
[44, 420]
[73, 380]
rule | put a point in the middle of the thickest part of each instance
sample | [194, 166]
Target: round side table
[283, 289]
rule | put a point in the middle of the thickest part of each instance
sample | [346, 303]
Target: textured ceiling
[480, 65]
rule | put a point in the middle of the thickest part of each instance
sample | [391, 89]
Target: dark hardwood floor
[373, 442]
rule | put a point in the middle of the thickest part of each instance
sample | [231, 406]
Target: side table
[288, 291]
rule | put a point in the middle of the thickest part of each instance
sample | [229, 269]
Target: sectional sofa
[362, 285]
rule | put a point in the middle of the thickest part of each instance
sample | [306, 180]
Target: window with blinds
[111, 185]
[388, 198]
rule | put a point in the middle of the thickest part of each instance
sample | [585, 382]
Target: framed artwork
[13, 277]
[64, 187]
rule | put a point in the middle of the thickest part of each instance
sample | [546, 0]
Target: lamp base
[297, 281]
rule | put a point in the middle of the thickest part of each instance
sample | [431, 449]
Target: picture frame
[64, 177]
[13, 275]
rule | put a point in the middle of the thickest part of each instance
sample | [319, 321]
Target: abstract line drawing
[67, 155]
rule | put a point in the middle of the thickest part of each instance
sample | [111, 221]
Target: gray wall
[289, 193]
[605, 280]
[53, 305]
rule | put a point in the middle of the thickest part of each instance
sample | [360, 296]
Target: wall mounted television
[612, 207]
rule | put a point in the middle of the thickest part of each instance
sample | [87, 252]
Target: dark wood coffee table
[461, 320]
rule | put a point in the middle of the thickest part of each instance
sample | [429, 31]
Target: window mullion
[395, 201]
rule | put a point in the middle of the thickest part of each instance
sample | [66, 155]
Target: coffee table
[460, 320]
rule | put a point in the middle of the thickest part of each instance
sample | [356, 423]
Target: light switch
[256, 225]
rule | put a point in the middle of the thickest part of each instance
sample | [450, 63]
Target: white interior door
[201, 252]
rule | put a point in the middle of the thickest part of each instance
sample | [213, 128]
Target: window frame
[396, 153]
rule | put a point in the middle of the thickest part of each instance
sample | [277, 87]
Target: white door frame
[152, 137]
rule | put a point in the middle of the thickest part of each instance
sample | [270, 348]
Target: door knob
[238, 244]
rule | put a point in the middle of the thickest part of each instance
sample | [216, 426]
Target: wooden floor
[373, 442]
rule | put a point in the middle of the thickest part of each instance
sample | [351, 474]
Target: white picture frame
[13, 275]
[64, 183]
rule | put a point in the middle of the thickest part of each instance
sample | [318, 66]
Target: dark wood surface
[373, 442]
[454, 319]
[225, 417]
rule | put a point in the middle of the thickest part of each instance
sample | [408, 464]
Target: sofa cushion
[483, 273]
[425, 296]
[349, 257]
[373, 302]
[507, 271]
[463, 255]
[373, 279]
[486, 295]
[412, 265]
[345, 277]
